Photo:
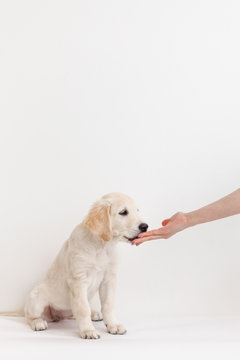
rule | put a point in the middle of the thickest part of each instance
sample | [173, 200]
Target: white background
[140, 97]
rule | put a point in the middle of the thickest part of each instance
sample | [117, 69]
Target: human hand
[171, 226]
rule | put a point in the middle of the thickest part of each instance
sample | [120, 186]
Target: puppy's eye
[123, 212]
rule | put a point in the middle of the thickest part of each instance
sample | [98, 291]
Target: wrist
[191, 219]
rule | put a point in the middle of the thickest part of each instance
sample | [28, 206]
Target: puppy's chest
[100, 263]
[94, 264]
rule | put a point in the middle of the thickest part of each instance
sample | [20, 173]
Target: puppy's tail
[12, 313]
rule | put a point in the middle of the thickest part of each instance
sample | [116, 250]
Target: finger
[140, 241]
[147, 239]
[151, 233]
[165, 222]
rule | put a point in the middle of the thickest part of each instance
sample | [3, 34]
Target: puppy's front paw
[116, 329]
[89, 334]
[96, 315]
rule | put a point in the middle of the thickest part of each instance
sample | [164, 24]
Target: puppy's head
[115, 215]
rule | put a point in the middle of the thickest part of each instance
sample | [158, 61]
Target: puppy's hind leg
[96, 315]
[36, 302]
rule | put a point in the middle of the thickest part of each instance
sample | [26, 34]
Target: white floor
[148, 337]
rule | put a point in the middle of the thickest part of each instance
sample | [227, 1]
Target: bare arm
[226, 206]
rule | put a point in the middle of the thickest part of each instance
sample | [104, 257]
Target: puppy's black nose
[143, 227]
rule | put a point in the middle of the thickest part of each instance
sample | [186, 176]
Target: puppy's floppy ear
[98, 220]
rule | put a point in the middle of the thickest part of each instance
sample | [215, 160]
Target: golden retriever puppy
[85, 265]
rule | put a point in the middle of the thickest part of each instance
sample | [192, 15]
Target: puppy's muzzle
[142, 227]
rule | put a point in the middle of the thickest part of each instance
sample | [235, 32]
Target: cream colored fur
[86, 265]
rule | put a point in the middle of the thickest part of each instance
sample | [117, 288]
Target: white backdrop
[140, 97]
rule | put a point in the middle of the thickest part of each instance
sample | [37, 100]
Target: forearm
[227, 206]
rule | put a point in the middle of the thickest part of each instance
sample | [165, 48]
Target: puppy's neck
[93, 240]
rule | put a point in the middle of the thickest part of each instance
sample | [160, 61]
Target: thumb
[165, 222]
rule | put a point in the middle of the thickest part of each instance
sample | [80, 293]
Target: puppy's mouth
[131, 239]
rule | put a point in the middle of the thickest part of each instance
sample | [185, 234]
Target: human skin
[224, 207]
